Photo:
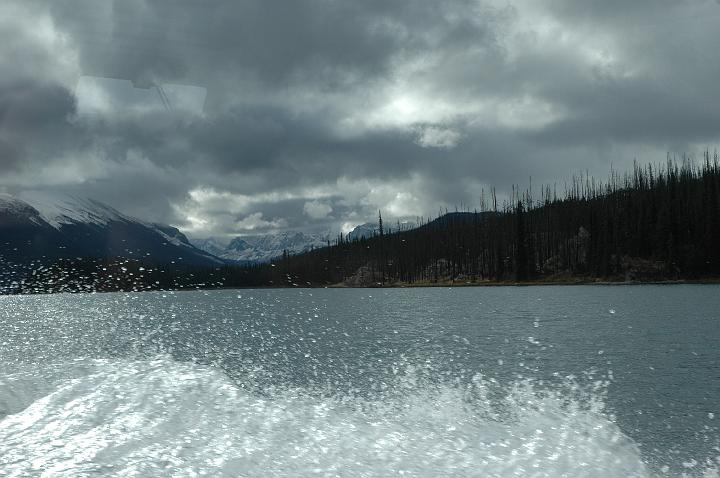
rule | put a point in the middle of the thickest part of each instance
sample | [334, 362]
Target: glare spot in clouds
[317, 210]
[436, 137]
[255, 221]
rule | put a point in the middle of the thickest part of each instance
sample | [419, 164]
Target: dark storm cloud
[31, 111]
[279, 42]
[319, 112]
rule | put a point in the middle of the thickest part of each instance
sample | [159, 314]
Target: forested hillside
[652, 223]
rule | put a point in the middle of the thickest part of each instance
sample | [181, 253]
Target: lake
[490, 381]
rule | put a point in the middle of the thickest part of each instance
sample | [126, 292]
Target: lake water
[498, 381]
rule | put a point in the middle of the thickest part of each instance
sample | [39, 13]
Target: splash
[160, 417]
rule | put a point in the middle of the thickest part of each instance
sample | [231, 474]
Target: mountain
[264, 247]
[371, 229]
[211, 245]
[43, 227]
[367, 230]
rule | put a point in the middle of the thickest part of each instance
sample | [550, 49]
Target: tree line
[655, 222]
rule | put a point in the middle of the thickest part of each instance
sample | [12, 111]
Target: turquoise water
[499, 381]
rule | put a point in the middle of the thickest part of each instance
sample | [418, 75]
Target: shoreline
[540, 282]
[416, 285]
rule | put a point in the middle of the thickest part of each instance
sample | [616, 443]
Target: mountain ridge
[46, 228]
[262, 248]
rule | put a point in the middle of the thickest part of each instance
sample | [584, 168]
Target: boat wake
[160, 417]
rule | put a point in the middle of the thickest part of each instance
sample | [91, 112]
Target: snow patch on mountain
[170, 234]
[57, 210]
[50, 225]
[211, 245]
[13, 207]
[367, 230]
[263, 247]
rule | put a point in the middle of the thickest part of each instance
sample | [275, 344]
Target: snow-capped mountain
[59, 210]
[42, 226]
[370, 229]
[264, 247]
[367, 230]
[212, 245]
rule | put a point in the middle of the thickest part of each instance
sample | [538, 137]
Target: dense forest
[651, 223]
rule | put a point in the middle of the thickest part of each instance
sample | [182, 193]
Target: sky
[235, 117]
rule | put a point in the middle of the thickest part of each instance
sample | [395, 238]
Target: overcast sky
[314, 114]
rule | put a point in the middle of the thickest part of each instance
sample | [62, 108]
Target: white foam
[164, 418]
